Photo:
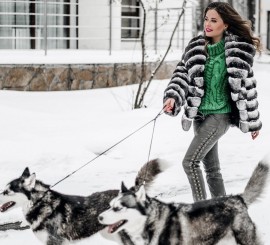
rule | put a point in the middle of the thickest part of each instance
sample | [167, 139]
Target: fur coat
[187, 83]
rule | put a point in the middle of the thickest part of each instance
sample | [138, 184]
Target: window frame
[131, 29]
[35, 24]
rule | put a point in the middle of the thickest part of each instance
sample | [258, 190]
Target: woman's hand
[254, 134]
[169, 105]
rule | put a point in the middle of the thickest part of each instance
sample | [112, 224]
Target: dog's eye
[5, 192]
[116, 209]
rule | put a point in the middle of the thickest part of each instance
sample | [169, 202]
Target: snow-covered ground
[81, 56]
[55, 133]
[22, 57]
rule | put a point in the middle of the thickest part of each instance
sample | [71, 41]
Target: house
[77, 27]
[91, 24]
[103, 25]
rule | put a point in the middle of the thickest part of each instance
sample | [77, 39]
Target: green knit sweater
[216, 99]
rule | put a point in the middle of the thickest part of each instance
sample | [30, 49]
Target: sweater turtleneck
[216, 48]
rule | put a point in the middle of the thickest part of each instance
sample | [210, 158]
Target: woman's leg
[208, 131]
[213, 175]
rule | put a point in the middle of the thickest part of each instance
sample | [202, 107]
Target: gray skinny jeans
[204, 147]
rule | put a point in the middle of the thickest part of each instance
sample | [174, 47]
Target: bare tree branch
[136, 105]
[139, 104]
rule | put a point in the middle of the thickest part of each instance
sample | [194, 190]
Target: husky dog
[57, 218]
[148, 221]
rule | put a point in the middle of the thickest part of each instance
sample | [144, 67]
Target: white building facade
[92, 24]
[263, 22]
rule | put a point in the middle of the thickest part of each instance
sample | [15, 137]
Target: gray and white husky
[56, 218]
[148, 221]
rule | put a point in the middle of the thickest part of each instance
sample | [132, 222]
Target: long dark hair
[236, 24]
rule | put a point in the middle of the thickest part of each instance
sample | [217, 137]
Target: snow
[55, 133]
[73, 57]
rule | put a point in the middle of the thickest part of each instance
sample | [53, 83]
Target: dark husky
[57, 218]
[148, 221]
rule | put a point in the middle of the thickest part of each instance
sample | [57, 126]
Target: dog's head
[127, 211]
[17, 192]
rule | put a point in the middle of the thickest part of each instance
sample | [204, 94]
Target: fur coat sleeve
[239, 59]
[177, 88]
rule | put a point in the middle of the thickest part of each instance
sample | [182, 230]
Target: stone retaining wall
[76, 77]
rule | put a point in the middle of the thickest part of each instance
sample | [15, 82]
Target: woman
[215, 84]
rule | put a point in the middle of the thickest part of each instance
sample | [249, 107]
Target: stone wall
[76, 77]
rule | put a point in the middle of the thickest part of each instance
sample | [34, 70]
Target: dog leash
[151, 143]
[61, 180]
[120, 141]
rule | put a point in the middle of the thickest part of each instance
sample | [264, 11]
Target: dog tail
[150, 171]
[256, 183]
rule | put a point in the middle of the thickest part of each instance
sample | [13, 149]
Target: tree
[143, 84]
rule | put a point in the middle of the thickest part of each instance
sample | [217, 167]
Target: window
[24, 25]
[130, 20]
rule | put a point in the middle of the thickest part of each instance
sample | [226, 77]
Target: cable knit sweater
[216, 99]
[187, 85]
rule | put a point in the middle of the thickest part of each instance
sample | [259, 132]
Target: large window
[130, 20]
[30, 24]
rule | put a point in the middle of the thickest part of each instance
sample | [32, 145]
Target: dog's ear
[26, 173]
[123, 188]
[30, 181]
[140, 194]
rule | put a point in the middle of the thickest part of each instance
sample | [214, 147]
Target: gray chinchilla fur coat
[187, 83]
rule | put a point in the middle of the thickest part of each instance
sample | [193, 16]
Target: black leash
[154, 119]
[151, 143]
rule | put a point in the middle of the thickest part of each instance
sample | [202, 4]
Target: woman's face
[214, 25]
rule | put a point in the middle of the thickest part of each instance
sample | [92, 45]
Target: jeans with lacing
[204, 148]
